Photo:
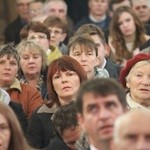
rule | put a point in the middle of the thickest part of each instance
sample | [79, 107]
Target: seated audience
[99, 103]
[65, 75]
[67, 128]
[58, 31]
[132, 131]
[40, 34]
[125, 36]
[33, 66]
[105, 63]
[11, 135]
[24, 94]
[135, 76]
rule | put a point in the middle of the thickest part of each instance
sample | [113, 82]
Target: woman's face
[66, 84]
[8, 70]
[31, 62]
[4, 133]
[139, 83]
[126, 24]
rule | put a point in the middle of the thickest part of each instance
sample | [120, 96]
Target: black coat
[12, 31]
[17, 108]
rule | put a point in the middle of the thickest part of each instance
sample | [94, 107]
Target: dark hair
[91, 29]
[53, 21]
[118, 41]
[63, 63]
[83, 40]
[101, 87]
[36, 27]
[10, 51]
[65, 117]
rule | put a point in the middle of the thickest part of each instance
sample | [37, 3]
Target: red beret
[130, 63]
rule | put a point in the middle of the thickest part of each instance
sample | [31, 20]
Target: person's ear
[80, 119]
[97, 61]
[107, 50]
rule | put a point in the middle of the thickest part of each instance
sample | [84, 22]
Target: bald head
[132, 131]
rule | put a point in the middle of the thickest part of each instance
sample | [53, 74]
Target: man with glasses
[13, 29]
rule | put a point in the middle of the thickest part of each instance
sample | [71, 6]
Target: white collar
[95, 20]
[92, 147]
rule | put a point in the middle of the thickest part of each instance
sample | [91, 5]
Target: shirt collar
[95, 20]
[16, 85]
[92, 147]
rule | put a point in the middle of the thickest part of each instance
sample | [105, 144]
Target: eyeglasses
[33, 37]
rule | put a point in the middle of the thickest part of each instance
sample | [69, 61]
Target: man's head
[98, 8]
[142, 9]
[56, 8]
[23, 8]
[132, 131]
[35, 8]
[97, 35]
[99, 103]
[66, 124]
[83, 49]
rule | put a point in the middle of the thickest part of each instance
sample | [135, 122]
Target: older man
[13, 29]
[132, 131]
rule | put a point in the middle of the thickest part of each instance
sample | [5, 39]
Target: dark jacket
[12, 31]
[103, 24]
[57, 144]
[112, 68]
[41, 129]
[17, 108]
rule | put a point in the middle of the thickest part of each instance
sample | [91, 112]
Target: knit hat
[130, 63]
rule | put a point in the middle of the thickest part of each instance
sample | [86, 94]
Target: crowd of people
[76, 78]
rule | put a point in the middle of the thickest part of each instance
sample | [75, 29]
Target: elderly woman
[136, 77]
[11, 135]
[33, 62]
[65, 76]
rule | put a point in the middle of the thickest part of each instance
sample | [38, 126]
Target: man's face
[8, 70]
[99, 114]
[57, 9]
[100, 47]
[23, 8]
[134, 133]
[142, 9]
[98, 7]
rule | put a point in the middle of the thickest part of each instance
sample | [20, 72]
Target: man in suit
[99, 103]
[13, 29]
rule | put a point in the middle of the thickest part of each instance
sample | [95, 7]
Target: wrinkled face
[98, 116]
[35, 9]
[98, 7]
[86, 57]
[8, 70]
[23, 8]
[70, 136]
[135, 134]
[57, 36]
[57, 9]
[100, 47]
[66, 85]
[5, 133]
[31, 62]
[40, 38]
[127, 24]
[139, 83]
[142, 10]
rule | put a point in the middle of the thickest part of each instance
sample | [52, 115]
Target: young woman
[126, 34]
